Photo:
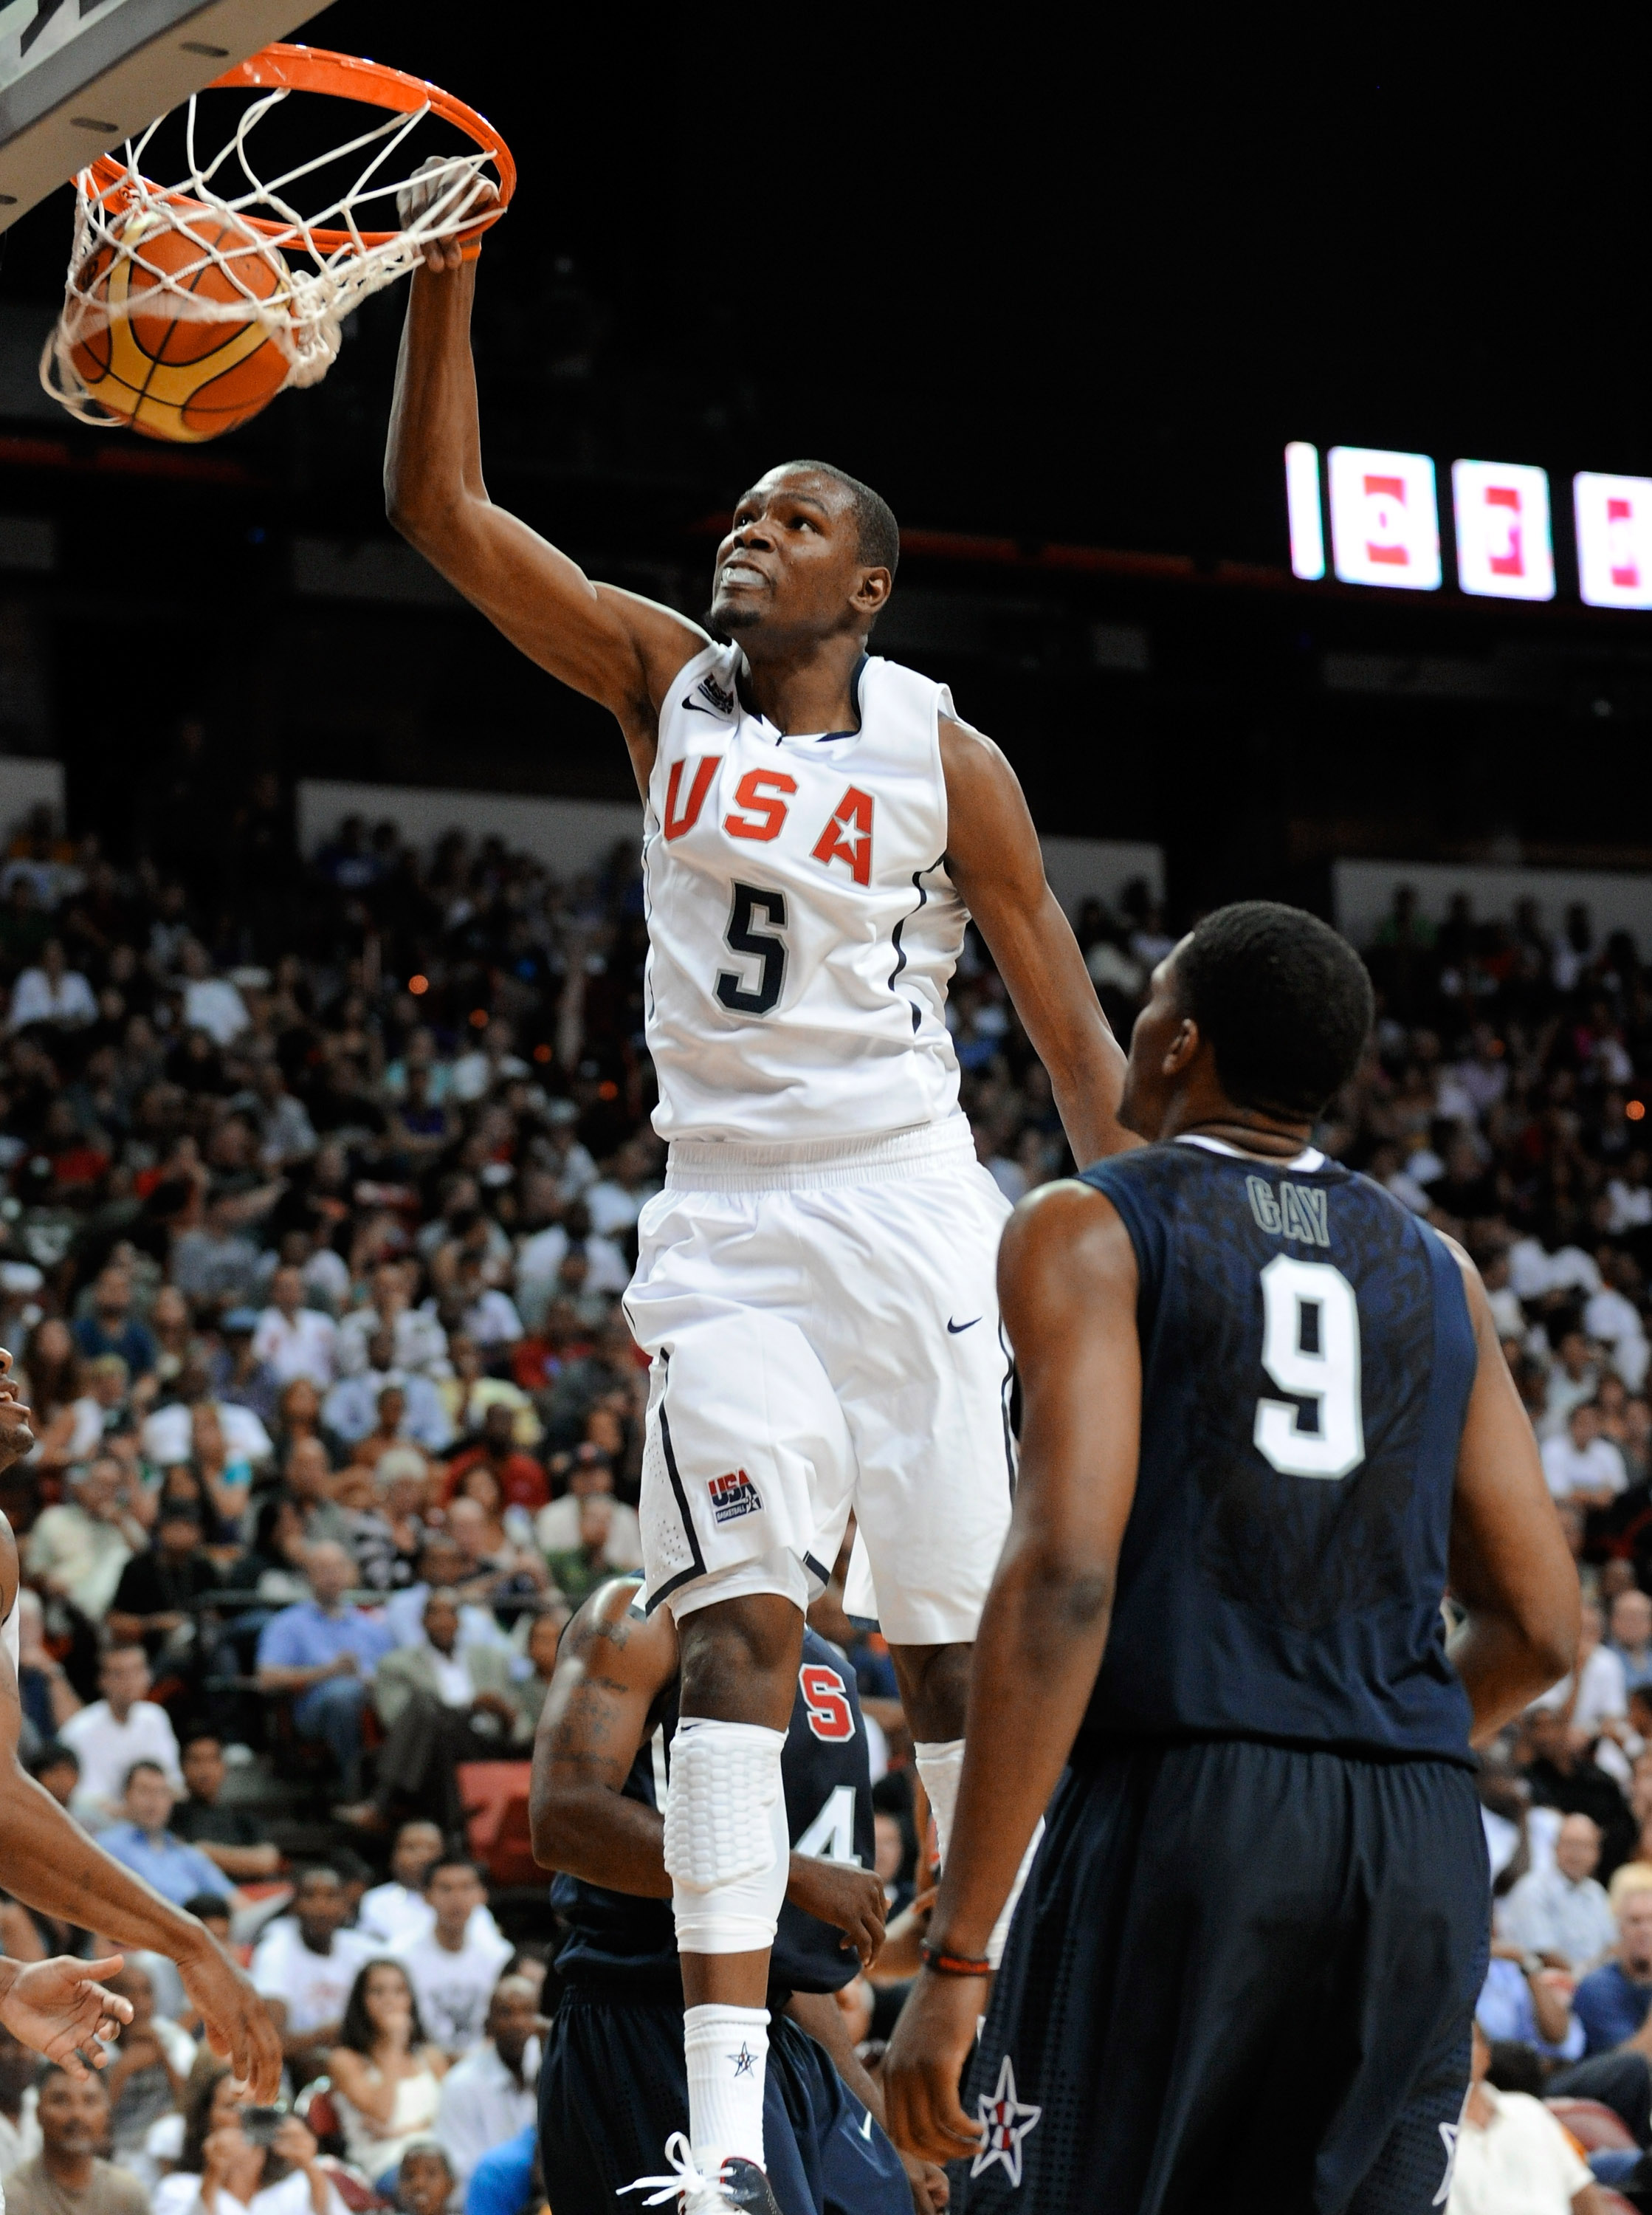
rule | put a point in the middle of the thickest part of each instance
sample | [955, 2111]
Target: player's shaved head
[1283, 1000]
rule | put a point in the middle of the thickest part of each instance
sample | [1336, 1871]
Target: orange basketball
[170, 374]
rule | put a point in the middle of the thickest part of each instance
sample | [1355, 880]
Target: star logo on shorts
[1006, 2121]
[744, 2061]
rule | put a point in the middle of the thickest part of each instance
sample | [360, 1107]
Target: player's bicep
[610, 1665]
[1067, 1287]
[1508, 1554]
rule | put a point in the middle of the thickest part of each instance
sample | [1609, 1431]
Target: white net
[189, 252]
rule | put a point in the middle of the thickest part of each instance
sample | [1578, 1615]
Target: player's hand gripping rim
[926, 2060]
[429, 181]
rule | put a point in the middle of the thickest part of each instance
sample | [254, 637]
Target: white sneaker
[740, 2186]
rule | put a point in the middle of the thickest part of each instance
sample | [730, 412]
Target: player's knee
[740, 1660]
[934, 1683]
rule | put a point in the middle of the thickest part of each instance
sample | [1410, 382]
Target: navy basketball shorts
[1240, 1976]
[613, 2087]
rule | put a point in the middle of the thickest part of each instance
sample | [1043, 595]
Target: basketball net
[304, 314]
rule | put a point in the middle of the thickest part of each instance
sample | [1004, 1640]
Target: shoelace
[684, 2178]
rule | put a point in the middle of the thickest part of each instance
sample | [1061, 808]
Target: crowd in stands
[320, 1182]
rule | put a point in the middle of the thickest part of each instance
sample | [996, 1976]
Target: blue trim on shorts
[697, 1567]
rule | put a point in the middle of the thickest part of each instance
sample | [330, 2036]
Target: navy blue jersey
[631, 1943]
[1307, 1357]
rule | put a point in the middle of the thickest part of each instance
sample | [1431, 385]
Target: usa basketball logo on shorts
[733, 1495]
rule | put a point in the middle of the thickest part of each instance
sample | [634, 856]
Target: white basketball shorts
[823, 1324]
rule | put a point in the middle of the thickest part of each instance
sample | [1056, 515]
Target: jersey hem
[884, 1157]
[1091, 1748]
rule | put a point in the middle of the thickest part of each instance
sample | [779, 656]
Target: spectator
[469, 1392]
[1612, 2004]
[54, 993]
[351, 1408]
[305, 1967]
[219, 2162]
[20, 2129]
[1631, 1637]
[413, 1338]
[425, 2181]
[557, 1527]
[243, 1380]
[1580, 1464]
[440, 1704]
[1513, 2157]
[228, 1836]
[147, 2071]
[309, 1484]
[296, 1340]
[502, 2182]
[579, 1571]
[400, 1909]
[489, 2097]
[124, 1727]
[521, 1480]
[217, 1264]
[154, 1603]
[110, 1327]
[81, 1548]
[56, 1770]
[43, 1687]
[387, 2076]
[529, 1687]
[210, 1004]
[144, 1842]
[1590, 1698]
[1561, 1909]
[442, 1567]
[68, 2173]
[168, 1434]
[453, 1967]
[324, 1652]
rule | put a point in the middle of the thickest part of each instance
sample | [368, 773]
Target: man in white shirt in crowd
[1614, 1322]
[452, 1970]
[295, 1340]
[52, 992]
[124, 1727]
[400, 1910]
[556, 1528]
[1513, 2157]
[1574, 1376]
[80, 1546]
[19, 2127]
[168, 1438]
[417, 1339]
[1631, 1637]
[489, 2096]
[210, 1003]
[1562, 1911]
[1580, 1464]
[304, 1966]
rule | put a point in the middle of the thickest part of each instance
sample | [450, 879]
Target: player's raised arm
[48, 1862]
[1067, 1281]
[1510, 1569]
[993, 856]
[615, 646]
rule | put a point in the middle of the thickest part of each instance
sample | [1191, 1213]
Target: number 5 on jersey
[754, 992]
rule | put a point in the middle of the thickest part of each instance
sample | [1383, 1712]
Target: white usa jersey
[802, 925]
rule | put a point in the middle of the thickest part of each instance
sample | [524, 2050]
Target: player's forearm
[1044, 1625]
[433, 462]
[1503, 1669]
[600, 1838]
[48, 1862]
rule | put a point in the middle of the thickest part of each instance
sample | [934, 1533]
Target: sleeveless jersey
[802, 926]
[1308, 1356]
[11, 1634]
[622, 1947]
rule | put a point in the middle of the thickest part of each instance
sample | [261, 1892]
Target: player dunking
[816, 1284]
[1266, 1414]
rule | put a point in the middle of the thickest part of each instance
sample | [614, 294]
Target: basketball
[175, 376]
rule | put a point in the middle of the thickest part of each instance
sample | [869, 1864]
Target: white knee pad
[727, 1848]
[940, 1764]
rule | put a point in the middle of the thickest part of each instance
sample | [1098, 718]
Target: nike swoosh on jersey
[955, 1327]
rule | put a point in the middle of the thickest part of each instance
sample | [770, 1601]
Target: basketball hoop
[196, 254]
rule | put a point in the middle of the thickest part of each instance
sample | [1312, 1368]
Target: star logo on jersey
[1448, 2137]
[1006, 2120]
[733, 1495]
[745, 2061]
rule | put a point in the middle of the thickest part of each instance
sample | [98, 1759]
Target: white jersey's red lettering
[802, 926]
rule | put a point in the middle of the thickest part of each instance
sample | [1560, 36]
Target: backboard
[78, 77]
